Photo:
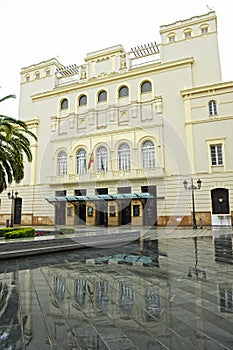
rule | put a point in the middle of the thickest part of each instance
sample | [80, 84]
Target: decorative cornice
[190, 21]
[136, 71]
[33, 122]
[206, 89]
[105, 52]
[106, 132]
[43, 64]
[209, 120]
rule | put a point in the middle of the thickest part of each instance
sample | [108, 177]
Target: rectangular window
[101, 190]
[123, 190]
[216, 155]
[82, 192]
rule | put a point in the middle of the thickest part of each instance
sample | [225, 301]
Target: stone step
[32, 246]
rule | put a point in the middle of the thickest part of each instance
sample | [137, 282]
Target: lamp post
[12, 195]
[192, 187]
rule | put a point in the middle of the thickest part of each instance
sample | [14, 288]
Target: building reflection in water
[10, 329]
[101, 297]
[80, 290]
[223, 248]
[226, 301]
[59, 288]
[196, 272]
[152, 301]
[150, 248]
[85, 299]
[126, 298]
[223, 254]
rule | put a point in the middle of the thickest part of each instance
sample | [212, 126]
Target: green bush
[66, 230]
[20, 233]
[4, 230]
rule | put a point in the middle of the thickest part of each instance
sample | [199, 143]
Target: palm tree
[14, 145]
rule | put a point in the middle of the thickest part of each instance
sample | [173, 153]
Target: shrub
[20, 233]
[4, 230]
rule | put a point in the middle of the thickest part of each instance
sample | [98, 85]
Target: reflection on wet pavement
[184, 300]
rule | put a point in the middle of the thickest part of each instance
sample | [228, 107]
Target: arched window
[123, 91]
[146, 87]
[37, 75]
[64, 103]
[102, 96]
[124, 157]
[81, 161]
[187, 34]
[27, 78]
[148, 155]
[204, 29]
[82, 100]
[47, 72]
[212, 107]
[102, 159]
[62, 163]
[171, 38]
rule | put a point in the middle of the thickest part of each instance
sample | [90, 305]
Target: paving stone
[65, 300]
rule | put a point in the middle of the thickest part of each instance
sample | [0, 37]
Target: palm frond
[7, 97]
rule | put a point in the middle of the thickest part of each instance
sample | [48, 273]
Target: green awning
[106, 197]
[144, 195]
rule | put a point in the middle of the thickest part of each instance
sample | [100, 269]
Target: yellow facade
[150, 118]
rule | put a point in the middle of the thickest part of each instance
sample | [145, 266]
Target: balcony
[92, 176]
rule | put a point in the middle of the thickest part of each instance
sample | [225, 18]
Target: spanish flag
[91, 160]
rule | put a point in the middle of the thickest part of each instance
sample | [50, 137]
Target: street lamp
[192, 187]
[12, 195]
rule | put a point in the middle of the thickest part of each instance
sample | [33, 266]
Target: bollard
[7, 222]
[201, 223]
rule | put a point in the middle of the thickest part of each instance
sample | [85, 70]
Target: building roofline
[183, 23]
[207, 88]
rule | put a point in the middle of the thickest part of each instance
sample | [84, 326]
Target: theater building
[119, 134]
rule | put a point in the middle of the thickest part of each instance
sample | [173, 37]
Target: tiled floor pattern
[184, 301]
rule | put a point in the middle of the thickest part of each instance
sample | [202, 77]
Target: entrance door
[60, 213]
[102, 207]
[17, 210]
[60, 209]
[80, 208]
[103, 214]
[220, 202]
[149, 213]
[125, 212]
[80, 213]
[220, 207]
[149, 206]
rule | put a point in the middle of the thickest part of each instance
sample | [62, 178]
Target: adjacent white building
[119, 134]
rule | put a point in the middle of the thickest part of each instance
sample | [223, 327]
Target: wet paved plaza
[182, 300]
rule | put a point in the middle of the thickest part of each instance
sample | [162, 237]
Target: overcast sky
[34, 31]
